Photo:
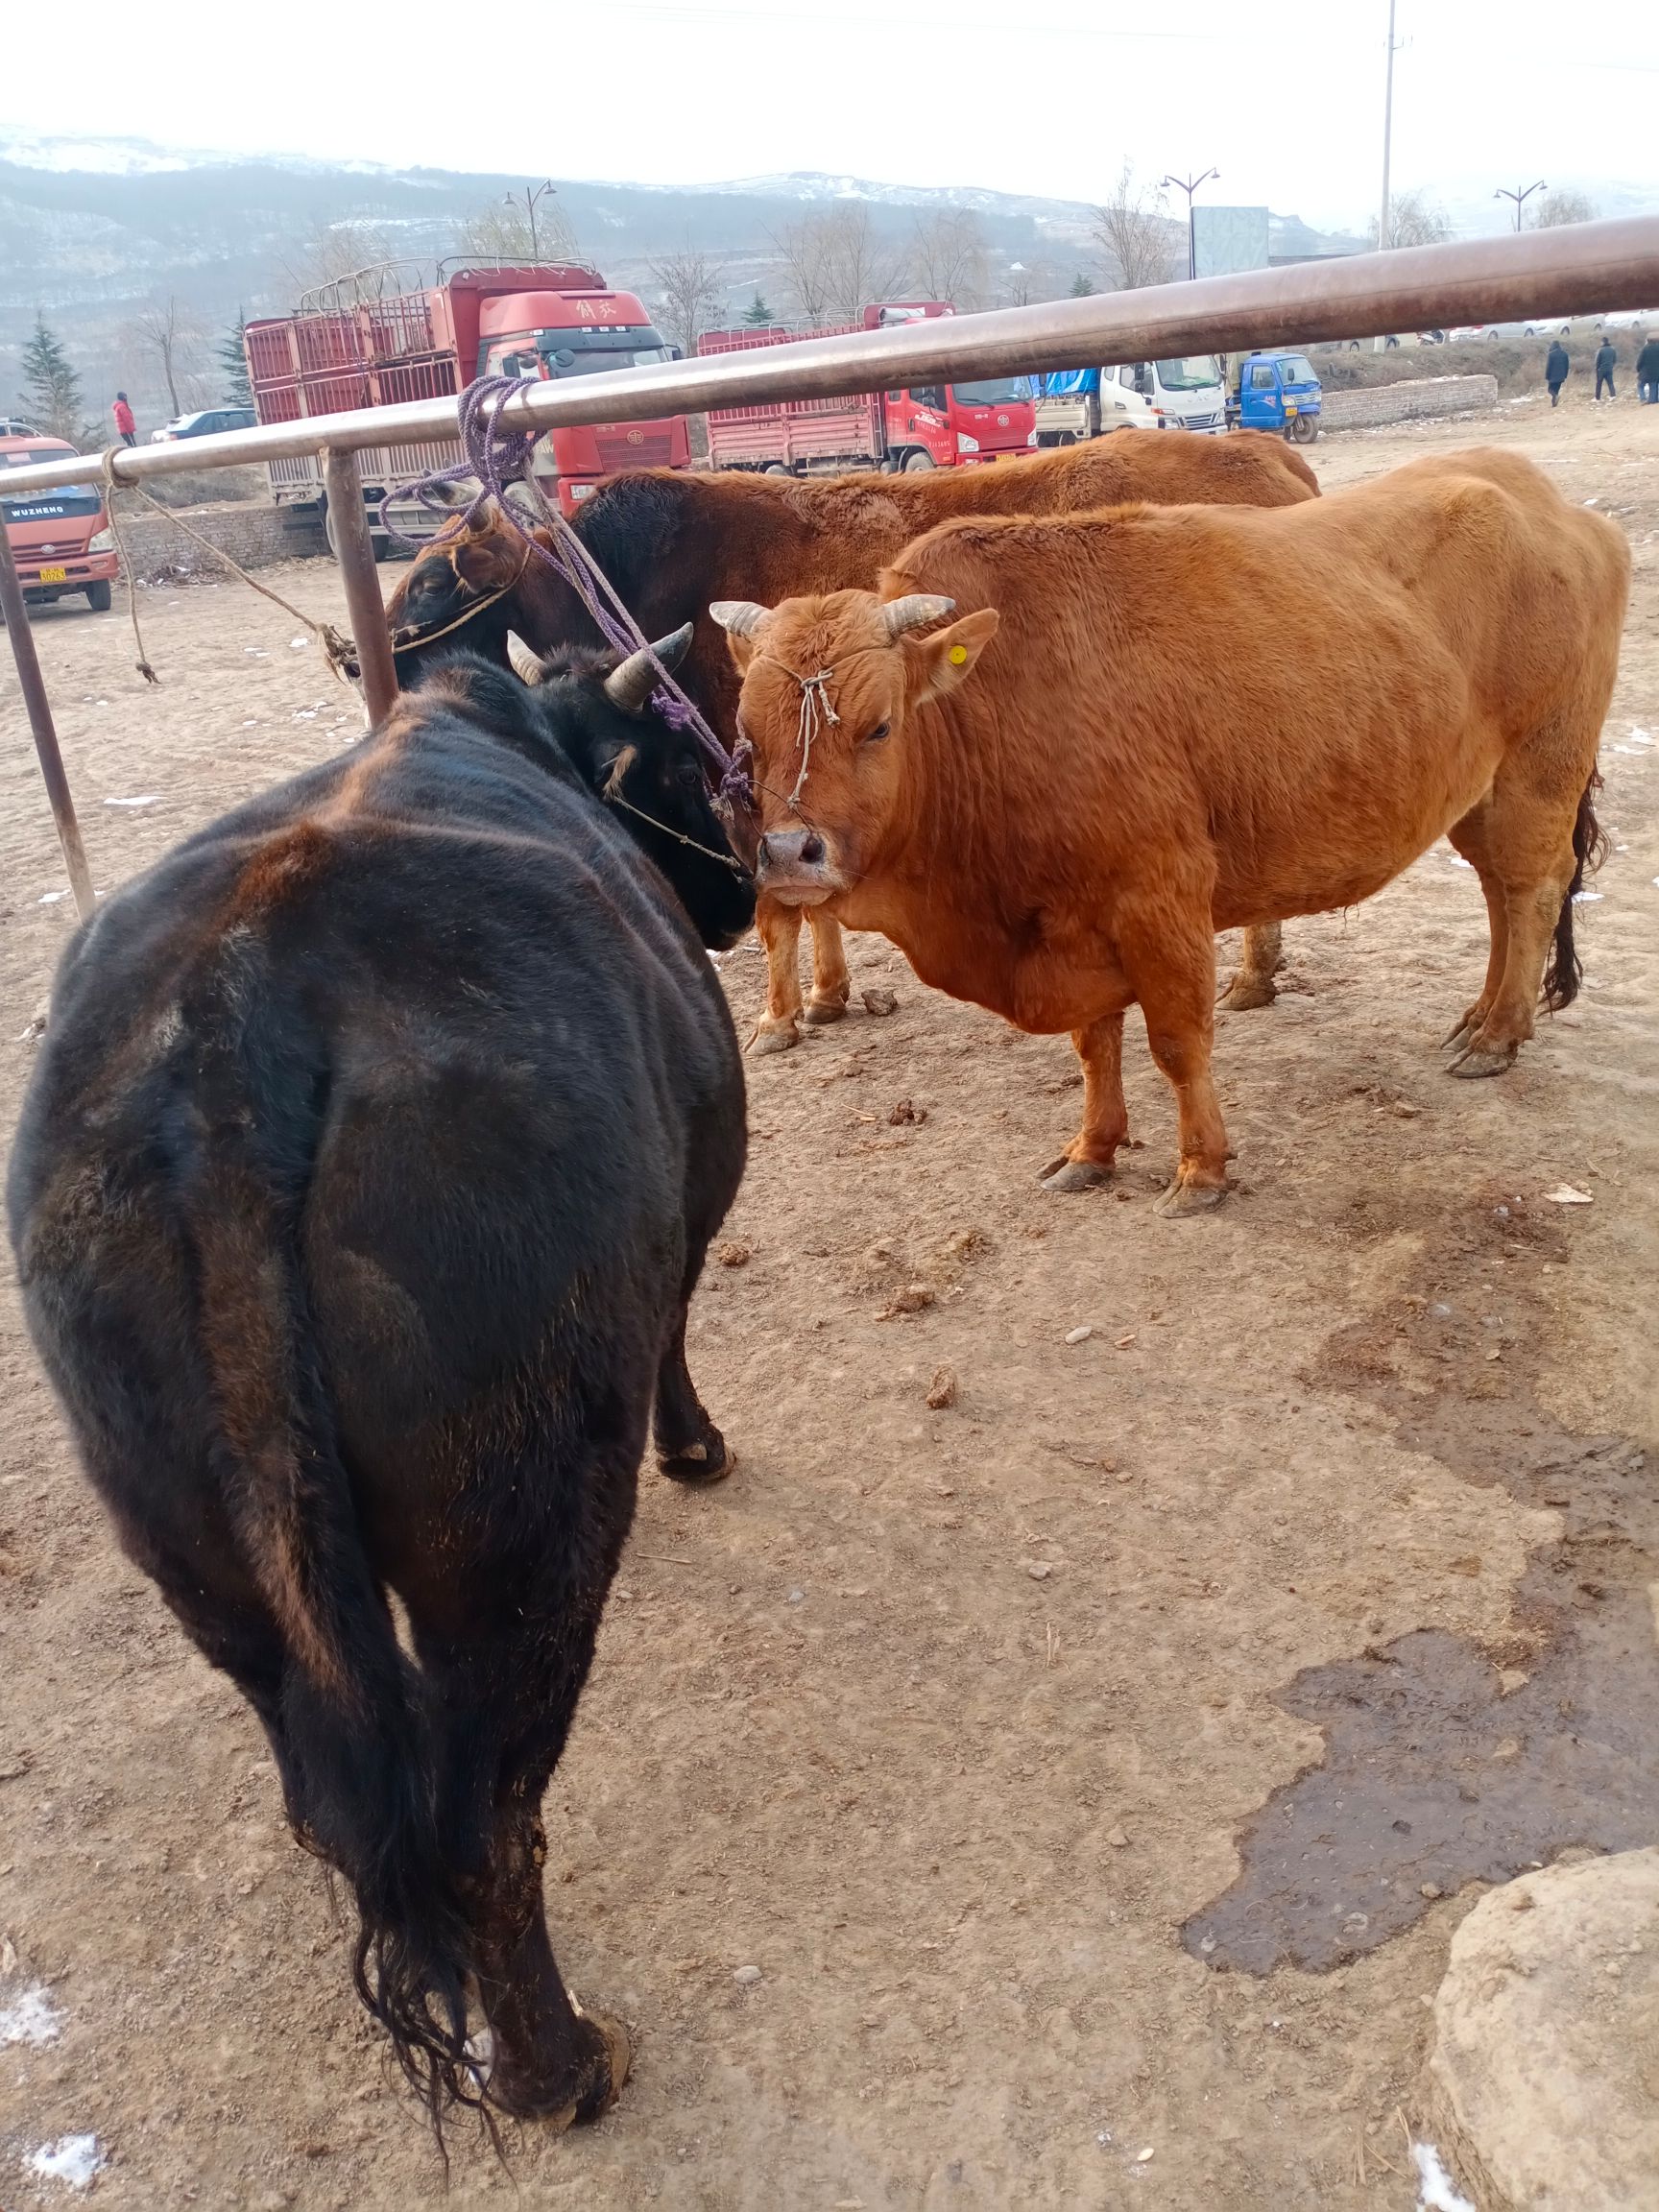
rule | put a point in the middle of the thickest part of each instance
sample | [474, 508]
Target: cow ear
[935, 666]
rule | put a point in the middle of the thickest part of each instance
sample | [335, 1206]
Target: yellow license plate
[53, 575]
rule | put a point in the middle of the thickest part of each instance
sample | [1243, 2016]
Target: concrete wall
[255, 535]
[1424, 399]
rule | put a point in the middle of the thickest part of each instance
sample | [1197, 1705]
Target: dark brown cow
[1193, 719]
[671, 542]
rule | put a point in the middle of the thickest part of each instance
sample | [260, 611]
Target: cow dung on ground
[1546, 2060]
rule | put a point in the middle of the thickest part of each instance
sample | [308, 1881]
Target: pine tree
[1082, 287]
[233, 365]
[51, 388]
[759, 315]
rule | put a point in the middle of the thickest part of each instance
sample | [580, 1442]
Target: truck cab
[1275, 392]
[1184, 393]
[61, 540]
[959, 425]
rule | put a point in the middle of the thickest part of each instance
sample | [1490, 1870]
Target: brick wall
[255, 535]
[1424, 399]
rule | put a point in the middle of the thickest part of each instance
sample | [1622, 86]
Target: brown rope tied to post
[342, 654]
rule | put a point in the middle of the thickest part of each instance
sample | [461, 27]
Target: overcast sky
[1286, 101]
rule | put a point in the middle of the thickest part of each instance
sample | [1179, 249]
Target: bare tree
[521, 229]
[1557, 208]
[834, 265]
[1414, 220]
[691, 289]
[331, 251]
[173, 337]
[948, 257]
[1136, 234]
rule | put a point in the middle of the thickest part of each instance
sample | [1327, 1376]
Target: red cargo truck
[928, 426]
[365, 343]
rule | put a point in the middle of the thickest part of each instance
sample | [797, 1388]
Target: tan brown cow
[1148, 725]
[670, 542]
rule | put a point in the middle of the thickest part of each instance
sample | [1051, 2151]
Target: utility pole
[1384, 211]
[1521, 196]
[1189, 185]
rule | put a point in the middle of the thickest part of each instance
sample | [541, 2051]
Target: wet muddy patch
[1445, 1762]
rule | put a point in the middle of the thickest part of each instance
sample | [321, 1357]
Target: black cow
[365, 1177]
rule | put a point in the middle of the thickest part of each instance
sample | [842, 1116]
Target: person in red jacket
[124, 422]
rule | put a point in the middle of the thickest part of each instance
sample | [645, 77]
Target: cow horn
[526, 665]
[738, 617]
[913, 610]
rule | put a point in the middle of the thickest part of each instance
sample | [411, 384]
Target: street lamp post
[1189, 185]
[1521, 196]
[541, 191]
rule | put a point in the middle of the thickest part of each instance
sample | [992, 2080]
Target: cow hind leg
[1524, 843]
[1262, 958]
[779, 929]
[1086, 1161]
[832, 985]
[503, 1700]
[1170, 958]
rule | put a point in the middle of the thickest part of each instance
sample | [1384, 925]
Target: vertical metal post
[1384, 211]
[35, 699]
[355, 549]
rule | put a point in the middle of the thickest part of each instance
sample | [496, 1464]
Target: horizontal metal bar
[1580, 269]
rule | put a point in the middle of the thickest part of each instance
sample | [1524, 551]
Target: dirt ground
[994, 1736]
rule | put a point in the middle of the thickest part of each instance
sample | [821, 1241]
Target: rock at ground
[1546, 2060]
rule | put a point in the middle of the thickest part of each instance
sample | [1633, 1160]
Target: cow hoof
[1475, 1061]
[1246, 991]
[601, 2067]
[1065, 1176]
[707, 1460]
[820, 1012]
[1464, 1030]
[617, 2057]
[1183, 1198]
[781, 1039]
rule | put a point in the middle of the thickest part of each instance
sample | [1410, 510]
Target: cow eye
[876, 735]
[690, 775]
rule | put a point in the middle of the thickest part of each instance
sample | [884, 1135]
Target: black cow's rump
[367, 1171]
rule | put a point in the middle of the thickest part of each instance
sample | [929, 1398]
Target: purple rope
[497, 456]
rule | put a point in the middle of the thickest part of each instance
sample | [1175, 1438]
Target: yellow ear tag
[959, 653]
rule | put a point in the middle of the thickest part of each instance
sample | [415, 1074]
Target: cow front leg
[779, 929]
[1169, 954]
[1262, 958]
[1086, 1161]
[832, 985]
[689, 1448]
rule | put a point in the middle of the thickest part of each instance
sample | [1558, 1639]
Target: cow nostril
[812, 848]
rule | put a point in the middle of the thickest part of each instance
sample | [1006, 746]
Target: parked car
[61, 540]
[203, 423]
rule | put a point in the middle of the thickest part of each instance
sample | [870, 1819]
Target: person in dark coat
[1606, 361]
[1556, 368]
[1647, 371]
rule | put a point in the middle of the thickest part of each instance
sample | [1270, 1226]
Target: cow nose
[811, 849]
[788, 849]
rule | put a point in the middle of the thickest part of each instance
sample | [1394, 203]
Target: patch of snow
[1434, 2190]
[72, 2159]
[1457, 860]
[1586, 898]
[51, 898]
[31, 2018]
[148, 799]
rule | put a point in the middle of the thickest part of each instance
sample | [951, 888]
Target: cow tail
[1565, 971]
[350, 1718]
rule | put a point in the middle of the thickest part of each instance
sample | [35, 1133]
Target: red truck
[60, 541]
[929, 426]
[364, 342]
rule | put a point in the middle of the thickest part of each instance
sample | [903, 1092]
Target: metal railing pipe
[33, 686]
[1580, 269]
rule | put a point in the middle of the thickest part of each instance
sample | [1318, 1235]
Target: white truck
[1178, 394]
